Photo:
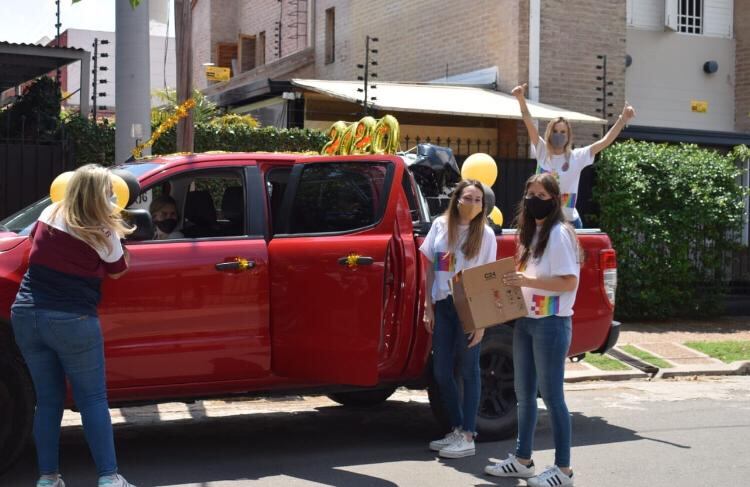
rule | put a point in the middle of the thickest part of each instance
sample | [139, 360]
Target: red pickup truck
[296, 274]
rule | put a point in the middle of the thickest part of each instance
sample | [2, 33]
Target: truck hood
[9, 240]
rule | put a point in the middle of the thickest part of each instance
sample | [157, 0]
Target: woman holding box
[458, 240]
[548, 270]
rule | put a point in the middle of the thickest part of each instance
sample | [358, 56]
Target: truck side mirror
[142, 220]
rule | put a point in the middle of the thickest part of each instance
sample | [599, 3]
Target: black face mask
[166, 226]
[538, 207]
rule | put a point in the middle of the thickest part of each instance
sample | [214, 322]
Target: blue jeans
[56, 345]
[449, 342]
[539, 351]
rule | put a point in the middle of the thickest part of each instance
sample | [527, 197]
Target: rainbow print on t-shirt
[569, 200]
[444, 262]
[545, 305]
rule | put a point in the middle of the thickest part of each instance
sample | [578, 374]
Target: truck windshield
[22, 221]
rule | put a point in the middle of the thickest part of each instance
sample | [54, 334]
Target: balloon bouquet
[483, 168]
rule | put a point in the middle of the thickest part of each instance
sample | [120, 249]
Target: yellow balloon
[57, 188]
[481, 167]
[122, 193]
[496, 216]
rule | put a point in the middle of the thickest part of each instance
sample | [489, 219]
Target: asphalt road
[637, 433]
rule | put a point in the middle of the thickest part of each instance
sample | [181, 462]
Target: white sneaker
[115, 480]
[552, 477]
[511, 467]
[459, 448]
[50, 481]
[451, 437]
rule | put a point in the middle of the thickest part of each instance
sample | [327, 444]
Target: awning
[440, 99]
[24, 62]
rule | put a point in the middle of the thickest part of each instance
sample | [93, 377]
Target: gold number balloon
[387, 136]
[367, 136]
[335, 133]
[363, 136]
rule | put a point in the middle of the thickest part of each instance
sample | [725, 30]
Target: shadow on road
[332, 445]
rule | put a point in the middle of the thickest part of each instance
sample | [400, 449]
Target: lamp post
[367, 74]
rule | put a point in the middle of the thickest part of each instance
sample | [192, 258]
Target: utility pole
[58, 24]
[132, 77]
[604, 89]
[366, 75]
[95, 81]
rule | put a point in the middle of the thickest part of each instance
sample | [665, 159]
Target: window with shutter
[247, 54]
[226, 52]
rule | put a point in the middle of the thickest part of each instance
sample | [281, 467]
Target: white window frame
[690, 16]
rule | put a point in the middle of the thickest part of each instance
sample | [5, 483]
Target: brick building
[557, 46]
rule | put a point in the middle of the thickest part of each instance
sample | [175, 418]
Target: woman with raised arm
[554, 152]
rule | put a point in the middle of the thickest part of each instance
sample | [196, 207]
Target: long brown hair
[86, 209]
[473, 242]
[526, 224]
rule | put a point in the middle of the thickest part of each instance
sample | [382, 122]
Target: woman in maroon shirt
[76, 244]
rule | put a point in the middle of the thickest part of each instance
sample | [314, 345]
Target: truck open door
[328, 252]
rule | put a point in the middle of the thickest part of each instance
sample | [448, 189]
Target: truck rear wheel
[497, 406]
[362, 398]
[17, 401]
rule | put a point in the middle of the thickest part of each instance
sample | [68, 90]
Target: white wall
[667, 74]
[649, 15]
[85, 38]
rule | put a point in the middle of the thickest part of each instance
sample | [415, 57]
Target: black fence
[27, 168]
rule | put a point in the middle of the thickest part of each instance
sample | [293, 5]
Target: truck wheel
[17, 402]
[362, 398]
[497, 406]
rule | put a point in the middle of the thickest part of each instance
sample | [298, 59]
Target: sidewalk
[665, 340]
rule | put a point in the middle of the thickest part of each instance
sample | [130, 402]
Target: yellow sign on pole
[698, 106]
[216, 73]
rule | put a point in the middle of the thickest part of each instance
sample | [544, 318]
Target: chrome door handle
[237, 264]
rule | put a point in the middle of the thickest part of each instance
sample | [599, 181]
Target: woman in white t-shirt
[459, 239]
[555, 154]
[548, 270]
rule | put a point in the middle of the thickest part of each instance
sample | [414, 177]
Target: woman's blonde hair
[548, 137]
[86, 208]
[473, 242]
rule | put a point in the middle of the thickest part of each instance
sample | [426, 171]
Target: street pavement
[682, 426]
[669, 432]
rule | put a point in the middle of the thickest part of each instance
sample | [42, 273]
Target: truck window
[339, 197]
[277, 180]
[208, 203]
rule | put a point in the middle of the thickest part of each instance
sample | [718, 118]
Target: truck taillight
[608, 267]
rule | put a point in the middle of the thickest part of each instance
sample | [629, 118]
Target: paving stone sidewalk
[666, 340]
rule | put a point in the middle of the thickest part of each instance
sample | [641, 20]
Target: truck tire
[17, 403]
[364, 398]
[497, 407]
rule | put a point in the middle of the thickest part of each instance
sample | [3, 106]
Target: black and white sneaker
[552, 477]
[511, 467]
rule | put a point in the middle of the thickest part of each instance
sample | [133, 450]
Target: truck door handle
[237, 264]
[355, 260]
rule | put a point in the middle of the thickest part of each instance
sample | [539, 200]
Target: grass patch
[604, 362]
[647, 357]
[725, 351]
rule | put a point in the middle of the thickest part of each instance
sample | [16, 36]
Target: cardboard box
[476, 290]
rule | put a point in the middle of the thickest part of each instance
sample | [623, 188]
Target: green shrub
[674, 214]
[243, 138]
